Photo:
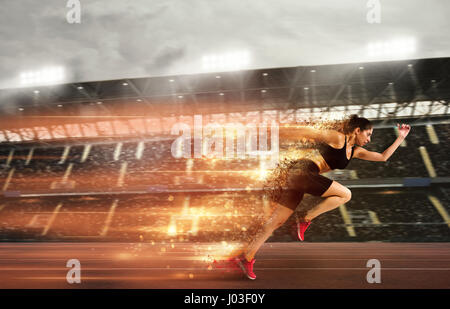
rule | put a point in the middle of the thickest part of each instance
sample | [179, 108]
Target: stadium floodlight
[228, 61]
[394, 48]
[45, 76]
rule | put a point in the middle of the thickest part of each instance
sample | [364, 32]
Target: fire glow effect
[185, 216]
[176, 224]
[213, 217]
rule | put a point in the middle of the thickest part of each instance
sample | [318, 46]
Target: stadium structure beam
[286, 81]
[83, 91]
[241, 88]
[140, 94]
[446, 108]
[343, 85]
[293, 85]
[379, 93]
[192, 94]
[445, 79]
[91, 97]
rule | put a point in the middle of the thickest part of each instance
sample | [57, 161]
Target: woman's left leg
[279, 216]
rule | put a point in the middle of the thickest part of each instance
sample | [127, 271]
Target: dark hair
[354, 122]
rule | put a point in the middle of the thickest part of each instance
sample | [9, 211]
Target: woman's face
[363, 137]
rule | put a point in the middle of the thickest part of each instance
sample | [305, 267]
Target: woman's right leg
[279, 216]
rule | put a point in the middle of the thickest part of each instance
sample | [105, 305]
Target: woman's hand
[403, 130]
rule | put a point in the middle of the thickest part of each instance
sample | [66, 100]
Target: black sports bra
[335, 158]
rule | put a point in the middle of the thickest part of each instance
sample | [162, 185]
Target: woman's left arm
[364, 154]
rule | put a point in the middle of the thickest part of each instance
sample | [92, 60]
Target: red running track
[187, 266]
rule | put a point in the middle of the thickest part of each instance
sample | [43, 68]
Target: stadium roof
[304, 86]
[375, 90]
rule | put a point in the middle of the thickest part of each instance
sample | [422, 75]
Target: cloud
[119, 39]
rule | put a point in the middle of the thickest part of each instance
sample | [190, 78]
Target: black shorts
[300, 178]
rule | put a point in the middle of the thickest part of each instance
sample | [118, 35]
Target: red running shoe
[227, 265]
[246, 266]
[301, 228]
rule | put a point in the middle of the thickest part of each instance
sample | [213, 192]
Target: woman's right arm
[295, 133]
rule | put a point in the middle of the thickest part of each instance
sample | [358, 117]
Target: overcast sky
[126, 39]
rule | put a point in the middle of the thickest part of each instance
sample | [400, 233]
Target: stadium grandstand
[93, 161]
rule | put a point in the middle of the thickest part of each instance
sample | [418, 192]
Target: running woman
[303, 176]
